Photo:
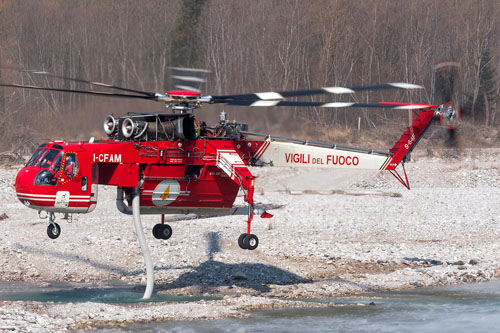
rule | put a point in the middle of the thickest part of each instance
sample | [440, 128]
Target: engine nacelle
[154, 126]
[131, 128]
[110, 125]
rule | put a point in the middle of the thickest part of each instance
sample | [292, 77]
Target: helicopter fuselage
[177, 176]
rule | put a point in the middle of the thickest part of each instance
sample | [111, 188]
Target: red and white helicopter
[170, 163]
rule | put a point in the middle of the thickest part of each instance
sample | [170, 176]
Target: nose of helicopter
[21, 180]
[24, 185]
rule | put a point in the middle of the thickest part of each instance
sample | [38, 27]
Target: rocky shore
[333, 233]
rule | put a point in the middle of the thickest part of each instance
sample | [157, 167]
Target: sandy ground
[333, 233]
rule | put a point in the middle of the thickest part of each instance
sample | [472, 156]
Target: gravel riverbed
[333, 233]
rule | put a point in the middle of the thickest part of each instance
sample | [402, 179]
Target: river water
[462, 308]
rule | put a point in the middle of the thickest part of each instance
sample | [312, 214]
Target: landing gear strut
[53, 229]
[248, 241]
[235, 168]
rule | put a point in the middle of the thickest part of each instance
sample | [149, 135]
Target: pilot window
[71, 165]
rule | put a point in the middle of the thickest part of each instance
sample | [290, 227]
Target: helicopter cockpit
[50, 160]
[52, 182]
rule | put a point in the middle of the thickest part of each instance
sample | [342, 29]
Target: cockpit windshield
[43, 158]
[34, 159]
[48, 158]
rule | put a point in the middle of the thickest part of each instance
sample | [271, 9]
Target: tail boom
[410, 138]
[287, 154]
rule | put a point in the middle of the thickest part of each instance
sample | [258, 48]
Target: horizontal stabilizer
[266, 215]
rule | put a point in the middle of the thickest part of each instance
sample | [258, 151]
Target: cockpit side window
[35, 157]
[70, 165]
[46, 160]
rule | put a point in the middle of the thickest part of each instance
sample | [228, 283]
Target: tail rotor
[445, 89]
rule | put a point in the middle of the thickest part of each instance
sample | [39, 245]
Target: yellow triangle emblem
[166, 194]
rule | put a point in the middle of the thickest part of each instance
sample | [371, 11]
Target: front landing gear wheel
[251, 242]
[53, 230]
[241, 241]
[162, 231]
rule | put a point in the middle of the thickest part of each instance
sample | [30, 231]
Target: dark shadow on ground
[257, 276]
[212, 273]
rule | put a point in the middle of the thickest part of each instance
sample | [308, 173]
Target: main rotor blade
[383, 105]
[39, 72]
[99, 93]
[270, 95]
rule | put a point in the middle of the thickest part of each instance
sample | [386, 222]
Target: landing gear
[241, 241]
[156, 233]
[251, 241]
[239, 172]
[162, 231]
[53, 230]
[248, 241]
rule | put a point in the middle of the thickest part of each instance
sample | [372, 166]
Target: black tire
[241, 241]
[53, 230]
[165, 231]
[251, 242]
[156, 231]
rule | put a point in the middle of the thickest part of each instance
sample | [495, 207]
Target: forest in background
[248, 46]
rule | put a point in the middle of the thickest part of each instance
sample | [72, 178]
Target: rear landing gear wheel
[53, 230]
[251, 242]
[248, 241]
[166, 232]
[162, 231]
[241, 241]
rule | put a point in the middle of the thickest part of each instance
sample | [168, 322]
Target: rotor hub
[183, 100]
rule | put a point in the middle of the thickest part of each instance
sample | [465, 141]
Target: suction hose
[136, 212]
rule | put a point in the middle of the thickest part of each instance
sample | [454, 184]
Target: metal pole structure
[136, 212]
